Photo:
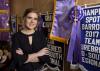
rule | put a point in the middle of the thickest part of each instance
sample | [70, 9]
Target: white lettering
[92, 34]
[90, 26]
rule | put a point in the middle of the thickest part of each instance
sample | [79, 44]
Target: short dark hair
[29, 10]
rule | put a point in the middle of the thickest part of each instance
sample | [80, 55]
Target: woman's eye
[35, 18]
[32, 18]
[29, 17]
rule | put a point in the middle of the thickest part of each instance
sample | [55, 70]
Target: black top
[20, 40]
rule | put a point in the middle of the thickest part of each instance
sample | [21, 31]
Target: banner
[90, 38]
[56, 48]
[61, 27]
[56, 55]
[4, 20]
[76, 14]
[47, 19]
[4, 14]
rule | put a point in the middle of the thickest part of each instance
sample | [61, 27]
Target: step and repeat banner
[90, 38]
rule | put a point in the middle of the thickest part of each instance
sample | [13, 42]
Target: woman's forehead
[32, 14]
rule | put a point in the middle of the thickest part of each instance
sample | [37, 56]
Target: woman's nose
[32, 20]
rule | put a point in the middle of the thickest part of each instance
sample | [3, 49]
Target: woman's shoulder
[17, 34]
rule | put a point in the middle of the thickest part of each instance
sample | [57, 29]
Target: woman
[29, 45]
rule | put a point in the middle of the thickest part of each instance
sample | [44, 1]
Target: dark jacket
[20, 40]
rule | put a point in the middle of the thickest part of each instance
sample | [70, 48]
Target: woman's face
[31, 20]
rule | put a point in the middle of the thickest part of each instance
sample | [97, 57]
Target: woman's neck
[28, 32]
